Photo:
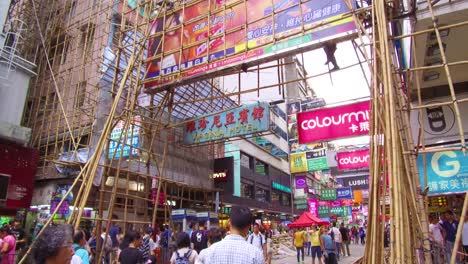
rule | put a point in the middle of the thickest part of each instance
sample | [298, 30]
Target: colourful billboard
[314, 160]
[446, 171]
[188, 42]
[244, 120]
[333, 123]
[353, 160]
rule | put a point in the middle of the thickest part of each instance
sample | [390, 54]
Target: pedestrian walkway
[357, 251]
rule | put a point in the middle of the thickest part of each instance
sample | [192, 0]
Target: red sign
[333, 123]
[353, 160]
[20, 165]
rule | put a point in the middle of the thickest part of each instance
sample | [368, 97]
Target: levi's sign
[353, 160]
[332, 123]
[245, 120]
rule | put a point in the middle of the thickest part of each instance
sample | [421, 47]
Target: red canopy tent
[306, 220]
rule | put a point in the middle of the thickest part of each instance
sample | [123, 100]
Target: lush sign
[247, 119]
[280, 187]
[328, 194]
[360, 182]
[210, 40]
[447, 172]
[332, 123]
[353, 160]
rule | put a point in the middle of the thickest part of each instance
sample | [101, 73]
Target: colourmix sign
[247, 119]
[353, 160]
[200, 37]
[333, 123]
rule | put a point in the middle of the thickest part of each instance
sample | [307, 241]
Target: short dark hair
[215, 235]
[130, 237]
[449, 212]
[79, 235]
[240, 217]
[334, 224]
[183, 240]
[201, 223]
[256, 224]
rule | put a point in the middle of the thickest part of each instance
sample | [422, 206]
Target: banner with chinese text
[195, 43]
[447, 172]
[328, 194]
[245, 120]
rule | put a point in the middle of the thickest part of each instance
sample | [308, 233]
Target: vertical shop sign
[447, 172]
[313, 207]
[328, 194]
[298, 163]
[333, 123]
[301, 182]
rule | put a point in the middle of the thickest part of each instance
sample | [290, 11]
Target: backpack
[183, 259]
[252, 237]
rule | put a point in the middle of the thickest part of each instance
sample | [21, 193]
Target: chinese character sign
[338, 211]
[313, 207]
[353, 160]
[298, 162]
[328, 194]
[117, 148]
[447, 172]
[245, 120]
[224, 39]
[323, 211]
[344, 193]
[332, 123]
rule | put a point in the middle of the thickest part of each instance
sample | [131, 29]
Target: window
[261, 167]
[285, 199]
[41, 106]
[275, 196]
[58, 49]
[262, 195]
[247, 190]
[87, 37]
[80, 94]
[246, 161]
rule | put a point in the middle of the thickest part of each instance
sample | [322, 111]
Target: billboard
[18, 166]
[313, 207]
[353, 160]
[360, 182]
[447, 172]
[130, 148]
[314, 160]
[333, 123]
[244, 120]
[195, 43]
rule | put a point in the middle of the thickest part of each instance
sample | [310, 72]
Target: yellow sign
[298, 162]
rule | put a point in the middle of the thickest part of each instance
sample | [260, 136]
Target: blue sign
[130, 148]
[447, 172]
[344, 193]
[245, 120]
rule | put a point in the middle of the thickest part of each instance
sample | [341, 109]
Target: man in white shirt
[435, 234]
[465, 235]
[234, 249]
[335, 234]
[258, 240]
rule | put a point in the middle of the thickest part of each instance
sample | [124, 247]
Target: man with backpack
[336, 237]
[199, 238]
[258, 240]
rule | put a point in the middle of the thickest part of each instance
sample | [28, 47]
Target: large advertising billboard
[189, 42]
[333, 123]
[446, 172]
[244, 120]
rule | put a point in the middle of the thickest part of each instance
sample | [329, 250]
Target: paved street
[357, 251]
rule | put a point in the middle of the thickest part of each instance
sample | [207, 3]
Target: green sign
[323, 211]
[300, 201]
[338, 211]
[317, 164]
[328, 194]
[301, 206]
[280, 187]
